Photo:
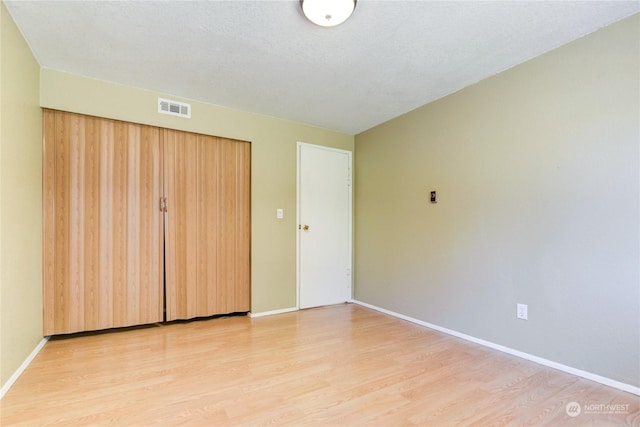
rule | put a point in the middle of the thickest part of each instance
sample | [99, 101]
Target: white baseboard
[13, 378]
[272, 312]
[550, 363]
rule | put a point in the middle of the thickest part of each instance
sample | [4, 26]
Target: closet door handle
[165, 204]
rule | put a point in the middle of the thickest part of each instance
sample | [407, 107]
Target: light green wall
[273, 165]
[537, 173]
[20, 199]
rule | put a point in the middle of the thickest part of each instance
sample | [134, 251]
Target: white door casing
[324, 226]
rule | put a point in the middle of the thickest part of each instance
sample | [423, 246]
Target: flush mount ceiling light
[327, 13]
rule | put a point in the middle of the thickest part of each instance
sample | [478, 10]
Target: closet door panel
[94, 312]
[243, 227]
[226, 223]
[180, 184]
[102, 224]
[135, 221]
[233, 222]
[117, 218]
[150, 226]
[61, 294]
[49, 192]
[207, 225]
[207, 299]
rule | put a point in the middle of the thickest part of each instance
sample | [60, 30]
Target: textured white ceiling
[265, 57]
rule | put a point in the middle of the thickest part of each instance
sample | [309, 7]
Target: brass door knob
[305, 227]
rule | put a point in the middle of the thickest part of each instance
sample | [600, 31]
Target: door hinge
[163, 204]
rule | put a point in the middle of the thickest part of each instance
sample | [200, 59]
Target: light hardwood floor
[341, 365]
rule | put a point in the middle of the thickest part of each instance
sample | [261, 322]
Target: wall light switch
[522, 311]
[434, 197]
[279, 213]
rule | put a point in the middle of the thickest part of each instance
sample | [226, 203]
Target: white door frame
[298, 223]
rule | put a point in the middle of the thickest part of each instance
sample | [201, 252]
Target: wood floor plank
[342, 365]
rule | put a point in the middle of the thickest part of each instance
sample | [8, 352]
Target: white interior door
[324, 226]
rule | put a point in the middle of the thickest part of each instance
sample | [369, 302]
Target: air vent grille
[174, 108]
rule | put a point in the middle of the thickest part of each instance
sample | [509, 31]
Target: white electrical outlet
[522, 311]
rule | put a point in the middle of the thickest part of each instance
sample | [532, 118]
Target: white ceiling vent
[174, 108]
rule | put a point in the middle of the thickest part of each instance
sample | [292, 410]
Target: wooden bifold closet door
[207, 225]
[114, 195]
[102, 242]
